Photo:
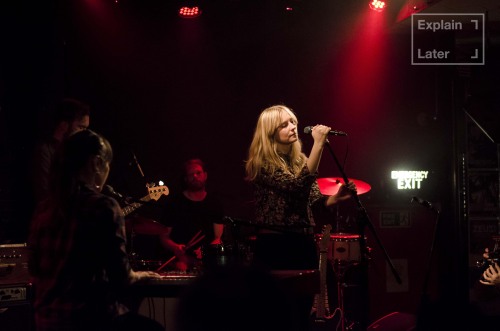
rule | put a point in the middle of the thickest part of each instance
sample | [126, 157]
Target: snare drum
[343, 247]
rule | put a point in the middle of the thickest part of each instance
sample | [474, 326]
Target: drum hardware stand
[241, 246]
[133, 256]
[338, 218]
[424, 300]
[340, 268]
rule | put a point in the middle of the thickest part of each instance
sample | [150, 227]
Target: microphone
[422, 202]
[109, 190]
[308, 129]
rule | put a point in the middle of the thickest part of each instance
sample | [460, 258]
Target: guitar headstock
[155, 192]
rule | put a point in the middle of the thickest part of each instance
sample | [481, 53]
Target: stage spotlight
[377, 5]
[189, 12]
[291, 5]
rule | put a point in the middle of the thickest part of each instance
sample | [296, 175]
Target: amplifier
[14, 276]
[14, 293]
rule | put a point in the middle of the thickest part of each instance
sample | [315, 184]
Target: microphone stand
[423, 298]
[136, 162]
[364, 221]
[138, 165]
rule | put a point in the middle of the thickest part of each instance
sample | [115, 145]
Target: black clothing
[187, 217]
[78, 262]
[42, 164]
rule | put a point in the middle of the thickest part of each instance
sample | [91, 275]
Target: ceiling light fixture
[377, 5]
[189, 12]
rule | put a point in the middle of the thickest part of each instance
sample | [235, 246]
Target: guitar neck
[322, 302]
[154, 194]
[322, 305]
[127, 210]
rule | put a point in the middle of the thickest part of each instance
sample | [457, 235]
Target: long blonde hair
[263, 151]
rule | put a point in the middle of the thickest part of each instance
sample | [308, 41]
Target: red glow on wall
[360, 73]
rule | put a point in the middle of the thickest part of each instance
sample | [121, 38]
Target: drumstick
[190, 244]
[166, 263]
[195, 242]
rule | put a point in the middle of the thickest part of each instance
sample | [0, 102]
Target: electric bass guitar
[321, 308]
[493, 256]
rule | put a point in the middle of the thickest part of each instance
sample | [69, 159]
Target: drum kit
[212, 255]
[344, 249]
[138, 225]
[143, 225]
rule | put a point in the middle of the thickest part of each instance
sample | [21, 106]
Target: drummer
[193, 218]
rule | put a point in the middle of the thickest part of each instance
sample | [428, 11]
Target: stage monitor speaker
[394, 321]
[16, 316]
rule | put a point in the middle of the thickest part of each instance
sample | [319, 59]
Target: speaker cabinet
[16, 312]
[16, 317]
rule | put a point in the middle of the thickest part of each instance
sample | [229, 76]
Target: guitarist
[193, 218]
[485, 293]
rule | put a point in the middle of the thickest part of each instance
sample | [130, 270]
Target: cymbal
[143, 225]
[331, 185]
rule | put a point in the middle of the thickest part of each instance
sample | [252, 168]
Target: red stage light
[377, 5]
[189, 12]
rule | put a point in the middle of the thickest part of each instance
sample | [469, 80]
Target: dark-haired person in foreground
[78, 262]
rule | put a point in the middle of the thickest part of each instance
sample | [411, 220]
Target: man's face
[195, 177]
[78, 125]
